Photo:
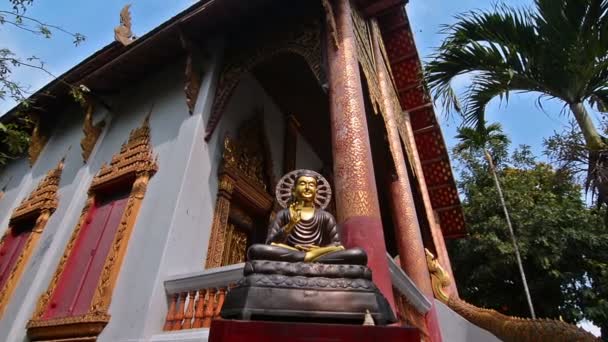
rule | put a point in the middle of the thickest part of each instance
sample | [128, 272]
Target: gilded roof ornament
[122, 32]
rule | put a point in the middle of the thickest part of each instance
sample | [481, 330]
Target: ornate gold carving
[193, 73]
[74, 328]
[365, 55]
[217, 240]
[303, 40]
[37, 142]
[42, 202]
[44, 197]
[122, 32]
[91, 131]
[236, 244]
[135, 160]
[331, 22]
[439, 277]
[135, 157]
[246, 170]
[507, 328]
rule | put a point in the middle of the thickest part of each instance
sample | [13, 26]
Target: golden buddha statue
[303, 231]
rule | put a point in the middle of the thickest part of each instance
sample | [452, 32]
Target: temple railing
[410, 303]
[196, 299]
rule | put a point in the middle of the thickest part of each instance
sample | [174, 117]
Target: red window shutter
[78, 281]
[11, 249]
[89, 284]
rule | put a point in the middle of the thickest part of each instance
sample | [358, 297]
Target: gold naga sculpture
[507, 328]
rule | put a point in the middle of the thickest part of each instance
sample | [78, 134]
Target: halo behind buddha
[285, 185]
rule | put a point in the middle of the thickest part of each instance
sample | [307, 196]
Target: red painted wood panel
[10, 251]
[260, 331]
[77, 283]
[89, 285]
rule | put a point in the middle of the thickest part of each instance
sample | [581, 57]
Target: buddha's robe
[320, 231]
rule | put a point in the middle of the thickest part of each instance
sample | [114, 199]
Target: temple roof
[107, 70]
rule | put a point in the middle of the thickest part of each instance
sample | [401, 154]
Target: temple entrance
[280, 81]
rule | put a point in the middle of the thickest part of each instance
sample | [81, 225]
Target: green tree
[482, 139]
[14, 135]
[558, 48]
[561, 240]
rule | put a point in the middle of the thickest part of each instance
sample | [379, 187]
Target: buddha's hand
[295, 215]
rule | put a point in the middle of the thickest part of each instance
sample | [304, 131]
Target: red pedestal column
[355, 186]
[407, 229]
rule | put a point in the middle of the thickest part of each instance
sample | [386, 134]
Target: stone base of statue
[311, 292]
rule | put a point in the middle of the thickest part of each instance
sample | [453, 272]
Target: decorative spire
[122, 32]
[91, 131]
[135, 156]
[44, 197]
[37, 142]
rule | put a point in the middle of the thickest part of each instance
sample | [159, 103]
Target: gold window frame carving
[40, 204]
[135, 163]
[235, 181]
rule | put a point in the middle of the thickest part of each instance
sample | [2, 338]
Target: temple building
[152, 168]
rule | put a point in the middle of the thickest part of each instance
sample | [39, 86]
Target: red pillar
[407, 230]
[436, 233]
[355, 186]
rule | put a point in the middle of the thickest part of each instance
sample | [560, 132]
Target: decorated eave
[414, 98]
[106, 72]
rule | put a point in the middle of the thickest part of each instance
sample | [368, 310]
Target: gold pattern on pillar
[134, 163]
[330, 22]
[91, 131]
[243, 197]
[39, 205]
[365, 55]
[37, 142]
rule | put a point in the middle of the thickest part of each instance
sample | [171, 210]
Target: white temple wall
[64, 141]
[173, 226]
[172, 132]
[186, 248]
[163, 93]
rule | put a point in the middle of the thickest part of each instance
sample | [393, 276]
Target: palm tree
[480, 139]
[558, 48]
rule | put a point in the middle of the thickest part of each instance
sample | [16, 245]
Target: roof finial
[122, 32]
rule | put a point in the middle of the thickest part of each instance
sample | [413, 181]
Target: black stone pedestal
[310, 292]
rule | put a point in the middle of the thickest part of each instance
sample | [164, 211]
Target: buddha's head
[305, 188]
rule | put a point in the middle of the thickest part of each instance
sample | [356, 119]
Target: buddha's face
[305, 189]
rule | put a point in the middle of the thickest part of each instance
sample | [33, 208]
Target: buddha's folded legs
[352, 256]
[274, 253]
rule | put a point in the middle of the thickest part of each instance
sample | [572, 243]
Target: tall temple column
[355, 186]
[437, 234]
[408, 236]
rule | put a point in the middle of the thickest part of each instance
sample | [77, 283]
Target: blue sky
[524, 123]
